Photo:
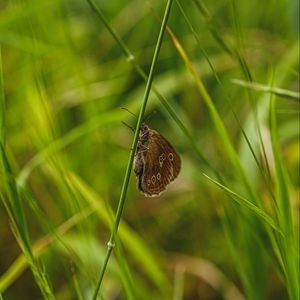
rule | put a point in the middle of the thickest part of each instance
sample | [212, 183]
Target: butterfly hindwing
[161, 164]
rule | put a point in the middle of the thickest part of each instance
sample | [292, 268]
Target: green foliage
[227, 85]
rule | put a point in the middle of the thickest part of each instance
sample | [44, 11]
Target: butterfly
[156, 162]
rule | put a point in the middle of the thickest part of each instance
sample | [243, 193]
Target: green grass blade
[2, 103]
[246, 203]
[266, 179]
[289, 243]
[64, 141]
[21, 231]
[134, 145]
[212, 27]
[20, 264]
[289, 95]
[131, 240]
[14, 200]
[61, 89]
[76, 286]
[14, 204]
[217, 121]
[128, 283]
[131, 59]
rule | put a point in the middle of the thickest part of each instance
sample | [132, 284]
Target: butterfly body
[156, 162]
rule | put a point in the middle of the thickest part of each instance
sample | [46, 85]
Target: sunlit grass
[226, 93]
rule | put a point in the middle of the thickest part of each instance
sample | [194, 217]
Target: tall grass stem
[110, 244]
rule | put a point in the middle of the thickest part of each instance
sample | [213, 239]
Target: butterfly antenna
[130, 127]
[150, 115]
[124, 108]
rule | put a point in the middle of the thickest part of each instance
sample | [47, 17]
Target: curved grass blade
[246, 203]
[14, 206]
[290, 95]
[290, 243]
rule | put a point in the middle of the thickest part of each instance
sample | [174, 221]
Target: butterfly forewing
[156, 163]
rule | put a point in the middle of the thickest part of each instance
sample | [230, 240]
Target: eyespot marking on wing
[153, 178]
[161, 159]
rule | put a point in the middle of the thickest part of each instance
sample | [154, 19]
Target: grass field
[219, 79]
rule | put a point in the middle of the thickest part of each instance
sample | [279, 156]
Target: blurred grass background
[64, 78]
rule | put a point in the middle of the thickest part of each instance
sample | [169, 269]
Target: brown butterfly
[156, 162]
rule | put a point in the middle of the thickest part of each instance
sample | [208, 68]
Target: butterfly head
[144, 128]
[144, 132]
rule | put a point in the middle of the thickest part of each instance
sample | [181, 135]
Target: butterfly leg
[144, 149]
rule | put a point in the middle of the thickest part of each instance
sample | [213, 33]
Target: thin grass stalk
[14, 206]
[2, 136]
[211, 26]
[219, 126]
[128, 283]
[237, 55]
[210, 23]
[241, 200]
[62, 142]
[76, 286]
[2, 102]
[287, 94]
[277, 254]
[111, 241]
[19, 227]
[139, 250]
[240, 50]
[265, 177]
[289, 244]
[75, 133]
[218, 123]
[131, 59]
[245, 202]
[19, 265]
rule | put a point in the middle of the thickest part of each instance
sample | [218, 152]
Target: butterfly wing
[161, 165]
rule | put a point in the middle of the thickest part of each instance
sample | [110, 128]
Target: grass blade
[14, 204]
[289, 244]
[290, 95]
[2, 103]
[134, 145]
[246, 203]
